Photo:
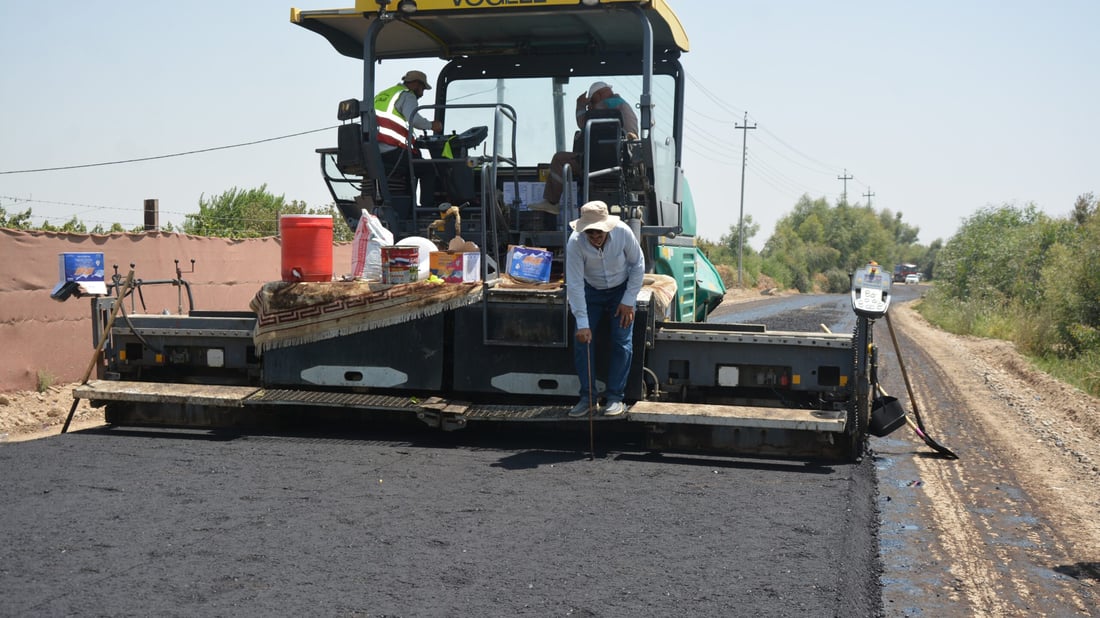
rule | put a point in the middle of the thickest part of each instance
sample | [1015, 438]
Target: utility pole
[846, 177]
[868, 195]
[741, 217]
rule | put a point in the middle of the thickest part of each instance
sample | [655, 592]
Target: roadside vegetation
[1010, 272]
[254, 213]
[1013, 273]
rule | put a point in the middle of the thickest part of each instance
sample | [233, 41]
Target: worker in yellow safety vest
[393, 107]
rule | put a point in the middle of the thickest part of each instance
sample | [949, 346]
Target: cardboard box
[80, 267]
[529, 264]
[455, 267]
[79, 273]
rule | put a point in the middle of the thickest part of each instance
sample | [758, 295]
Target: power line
[780, 153]
[719, 102]
[167, 156]
[759, 164]
[828, 168]
[782, 184]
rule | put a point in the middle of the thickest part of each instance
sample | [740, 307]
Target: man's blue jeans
[601, 306]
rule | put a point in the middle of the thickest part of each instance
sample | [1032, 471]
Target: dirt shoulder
[28, 415]
[1046, 432]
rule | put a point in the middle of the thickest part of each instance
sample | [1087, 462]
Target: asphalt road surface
[408, 522]
[393, 523]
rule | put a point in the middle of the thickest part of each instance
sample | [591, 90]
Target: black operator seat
[604, 159]
[605, 138]
[447, 176]
[357, 155]
[386, 182]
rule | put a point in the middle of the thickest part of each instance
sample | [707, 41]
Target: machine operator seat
[605, 138]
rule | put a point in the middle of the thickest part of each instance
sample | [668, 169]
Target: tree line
[1012, 272]
[813, 248]
[816, 246]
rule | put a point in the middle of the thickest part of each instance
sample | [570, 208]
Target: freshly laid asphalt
[405, 522]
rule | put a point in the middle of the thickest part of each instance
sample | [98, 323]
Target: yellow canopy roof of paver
[454, 28]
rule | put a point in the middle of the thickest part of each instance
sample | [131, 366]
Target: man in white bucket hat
[604, 266]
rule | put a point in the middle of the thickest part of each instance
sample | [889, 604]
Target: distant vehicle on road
[912, 278]
[901, 271]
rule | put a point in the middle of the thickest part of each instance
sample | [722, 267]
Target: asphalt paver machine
[497, 349]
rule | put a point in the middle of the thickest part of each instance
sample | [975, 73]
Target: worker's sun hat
[596, 87]
[417, 76]
[594, 216]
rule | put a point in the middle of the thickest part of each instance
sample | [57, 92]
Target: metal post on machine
[645, 102]
[376, 172]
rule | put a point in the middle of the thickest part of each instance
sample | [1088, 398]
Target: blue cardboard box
[79, 274]
[81, 267]
[529, 264]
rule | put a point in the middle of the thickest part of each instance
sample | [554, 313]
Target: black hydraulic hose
[190, 298]
[134, 331]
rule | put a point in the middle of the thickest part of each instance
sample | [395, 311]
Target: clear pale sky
[937, 108]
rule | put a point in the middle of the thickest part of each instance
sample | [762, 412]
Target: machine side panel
[402, 356]
[527, 353]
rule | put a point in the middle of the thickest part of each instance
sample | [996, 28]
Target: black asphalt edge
[859, 591]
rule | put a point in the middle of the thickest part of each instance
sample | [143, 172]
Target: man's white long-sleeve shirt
[620, 259]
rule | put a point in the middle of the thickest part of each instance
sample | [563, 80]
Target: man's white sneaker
[545, 206]
[614, 408]
[581, 409]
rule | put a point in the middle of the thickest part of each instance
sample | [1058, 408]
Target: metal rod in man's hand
[591, 422]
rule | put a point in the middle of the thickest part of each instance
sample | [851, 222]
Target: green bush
[838, 281]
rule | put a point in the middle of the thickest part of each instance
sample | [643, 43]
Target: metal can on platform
[400, 264]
